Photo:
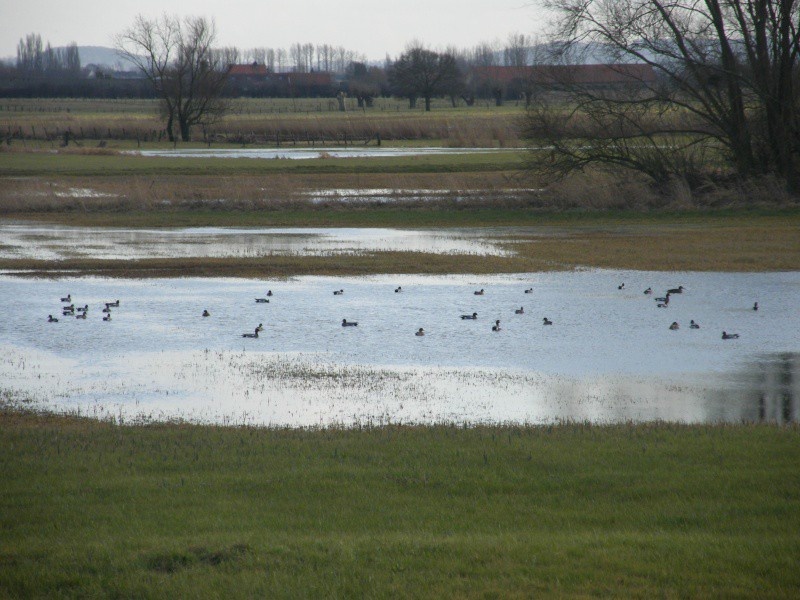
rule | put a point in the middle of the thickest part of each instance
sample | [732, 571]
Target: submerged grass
[96, 509]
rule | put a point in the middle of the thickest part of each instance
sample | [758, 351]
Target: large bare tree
[424, 73]
[176, 56]
[728, 83]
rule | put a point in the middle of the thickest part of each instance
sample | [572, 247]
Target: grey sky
[372, 27]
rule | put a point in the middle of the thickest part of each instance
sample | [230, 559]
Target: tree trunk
[412, 102]
[170, 121]
[427, 104]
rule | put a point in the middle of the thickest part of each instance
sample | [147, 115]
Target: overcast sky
[372, 27]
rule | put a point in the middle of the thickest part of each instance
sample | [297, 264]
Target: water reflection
[609, 357]
[306, 153]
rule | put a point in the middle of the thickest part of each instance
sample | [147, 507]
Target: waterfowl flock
[81, 312]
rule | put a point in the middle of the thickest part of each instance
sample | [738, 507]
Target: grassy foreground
[96, 509]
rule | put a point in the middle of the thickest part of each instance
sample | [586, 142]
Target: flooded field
[609, 355]
[25, 241]
[307, 152]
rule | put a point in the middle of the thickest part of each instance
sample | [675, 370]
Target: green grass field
[94, 509]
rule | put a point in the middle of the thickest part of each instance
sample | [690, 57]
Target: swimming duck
[755, 306]
[260, 327]
[83, 309]
[81, 316]
[112, 304]
[677, 290]
[648, 291]
[398, 289]
[621, 286]
[674, 326]
[546, 321]
[420, 332]
[496, 326]
[478, 292]
[51, 319]
[269, 292]
[67, 299]
[346, 323]
[67, 313]
[251, 335]
[730, 336]
[106, 309]
[471, 317]
[663, 298]
[338, 292]
[529, 291]
[261, 300]
[70, 308]
[693, 325]
[206, 313]
[107, 318]
[519, 311]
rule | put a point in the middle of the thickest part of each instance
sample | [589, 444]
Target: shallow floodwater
[52, 242]
[307, 152]
[608, 357]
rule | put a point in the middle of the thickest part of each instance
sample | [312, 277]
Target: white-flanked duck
[206, 313]
[519, 311]
[83, 308]
[67, 299]
[674, 326]
[621, 286]
[420, 332]
[251, 335]
[114, 304]
[107, 309]
[261, 300]
[677, 290]
[730, 336]
[346, 323]
[478, 292]
[398, 289]
[496, 326]
[693, 325]
[546, 321]
[338, 292]
[471, 317]
[529, 291]
[269, 293]
[648, 291]
[107, 318]
[51, 319]
[260, 327]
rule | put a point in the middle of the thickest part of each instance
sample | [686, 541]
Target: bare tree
[176, 56]
[727, 78]
[424, 73]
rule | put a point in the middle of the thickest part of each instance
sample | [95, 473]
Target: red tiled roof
[248, 70]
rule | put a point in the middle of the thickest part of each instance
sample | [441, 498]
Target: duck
[621, 286]
[70, 308]
[496, 326]
[346, 323]
[107, 318]
[471, 317]
[261, 300]
[648, 291]
[83, 308]
[81, 316]
[67, 313]
[107, 309]
[729, 336]
[51, 319]
[529, 291]
[674, 326]
[519, 311]
[338, 292]
[546, 321]
[478, 292]
[269, 293]
[260, 327]
[67, 299]
[755, 306]
[398, 289]
[251, 335]
[206, 313]
[693, 325]
[420, 332]
[677, 290]
[112, 304]
[663, 298]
